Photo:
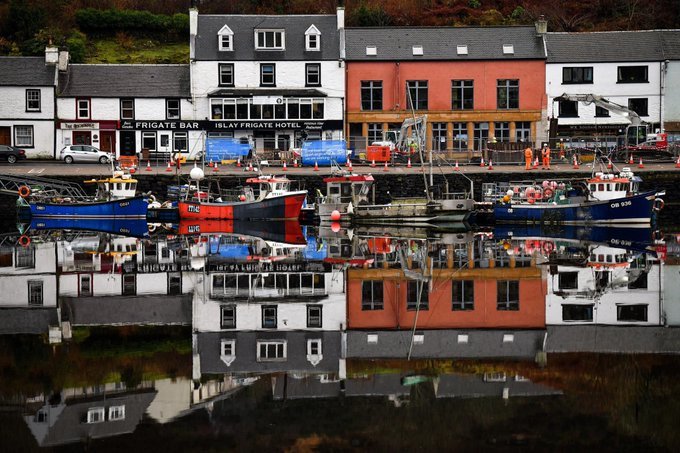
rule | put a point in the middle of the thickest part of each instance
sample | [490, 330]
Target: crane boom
[599, 101]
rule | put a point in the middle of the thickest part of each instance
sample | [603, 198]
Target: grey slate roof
[614, 339]
[65, 424]
[26, 71]
[127, 310]
[671, 44]
[291, 387]
[244, 27]
[440, 43]
[246, 352]
[474, 386]
[36, 321]
[444, 344]
[126, 80]
[602, 47]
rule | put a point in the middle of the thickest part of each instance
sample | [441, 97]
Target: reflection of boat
[275, 201]
[288, 231]
[124, 227]
[115, 198]
[602, 199]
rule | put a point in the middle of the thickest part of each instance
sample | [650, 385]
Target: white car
[85, 153]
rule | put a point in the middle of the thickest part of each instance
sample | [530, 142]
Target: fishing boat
[288, 231]
[604, 198]
[116, 198]
[266, 198]
[343, 191]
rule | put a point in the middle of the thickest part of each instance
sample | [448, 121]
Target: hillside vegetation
[156, 31]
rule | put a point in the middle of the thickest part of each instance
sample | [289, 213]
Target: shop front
[100, 134]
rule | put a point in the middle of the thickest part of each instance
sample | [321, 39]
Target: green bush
[112, 20]
[77, 46]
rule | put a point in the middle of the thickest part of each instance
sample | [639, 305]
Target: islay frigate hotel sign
[230, 125]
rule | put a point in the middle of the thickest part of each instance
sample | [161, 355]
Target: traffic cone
[576, 167]
[535, 163]
[316, 166]
[373, 163]
[630, 160]
[250, 166]
[677, 163]
[148, 165]
[238, 162]
[385, 167]
[295, 165]
[490, 164]
[216, 167]
[168, 169]
[285, 168]
[641, 165]
[481, 163]
[349, 167]
[408, 164]
[457, 168]
[610, 165]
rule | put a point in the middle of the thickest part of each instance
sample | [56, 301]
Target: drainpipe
[662, 90]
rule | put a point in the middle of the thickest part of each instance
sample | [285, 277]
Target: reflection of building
[472, 285]
[89, 413]
[614, 339]
[614, 286]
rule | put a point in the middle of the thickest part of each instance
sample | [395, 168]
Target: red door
[107, 141]
[5, 136]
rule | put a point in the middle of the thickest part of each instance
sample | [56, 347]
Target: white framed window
[172, 110]
[313, 39]
[95, 415]
[314, 351]
[32, 100]
[127, 109]
[275, 350]
[417, 50]
[225, 39]
[270, 40]
[179, 140]
[371, 50]
[462, 49]
[228, 351]
[149, 140]
[82, 109]
[23, 136]
[117, 413]
[508, 49]
[35, 292]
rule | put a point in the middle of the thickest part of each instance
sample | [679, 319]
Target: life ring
[24, 191]
[548, 247]
[152, 227]
[658, 204]
[547, 193]
[24, 240]
[152, 199]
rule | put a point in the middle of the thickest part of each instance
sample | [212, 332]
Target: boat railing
[455, 195]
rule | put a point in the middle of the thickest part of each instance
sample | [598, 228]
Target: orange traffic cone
[238, 162]
[316, 166]
[481, 163]
[576, 167]
[250, 166]
[535, 163]
[373, 163]
[216, 167]
[677, 163]
[457, 168]
[408, 164]
[295, 165]
[610, 165]
[211, 165]
[385, 167]
[490, 164]
[285, 168]
[349, 166]
[630, 159]
[168, 169]
[641, 165]
[148, 165]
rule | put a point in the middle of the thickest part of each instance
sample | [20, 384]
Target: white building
[127, 108]
[614, 288]
[27, 110]
[624, 67]
[28, 276]
[270, 79]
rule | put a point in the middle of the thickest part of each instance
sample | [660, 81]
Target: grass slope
[110, 50]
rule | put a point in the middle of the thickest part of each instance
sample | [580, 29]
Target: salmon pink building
[476, 85]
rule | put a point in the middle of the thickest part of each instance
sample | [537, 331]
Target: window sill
[568, 116]
[635, 81]
[577, 83]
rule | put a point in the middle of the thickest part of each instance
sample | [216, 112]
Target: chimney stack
[541, 26]
[340, 14]
[51, 55]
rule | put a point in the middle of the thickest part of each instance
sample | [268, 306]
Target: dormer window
[270, 40]
[225, 39]
[508, 49]
[313, 39]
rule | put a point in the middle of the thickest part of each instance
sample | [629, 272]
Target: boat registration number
[124, 204]
[194, 208]
[194, 229]
[622, 204]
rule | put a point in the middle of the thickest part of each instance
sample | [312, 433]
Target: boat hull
[637, 209]
[125, 208]
[124, 227]
[284, 207]
[285, 231]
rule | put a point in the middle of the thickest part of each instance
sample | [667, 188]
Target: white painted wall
[14, 289]
[604, 84]
[13, 103]
[105, 284]
[672, 92]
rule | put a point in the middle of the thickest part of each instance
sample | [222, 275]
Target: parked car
[11, 153]
[84, 153]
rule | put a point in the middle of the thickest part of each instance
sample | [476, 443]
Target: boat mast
[421, 144]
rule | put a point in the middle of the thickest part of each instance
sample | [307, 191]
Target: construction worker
[528, 155]
[545, 153]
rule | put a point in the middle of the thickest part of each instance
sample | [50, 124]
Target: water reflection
[118, 326]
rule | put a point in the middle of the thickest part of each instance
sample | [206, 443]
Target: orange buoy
[24, 191]
[24, 241]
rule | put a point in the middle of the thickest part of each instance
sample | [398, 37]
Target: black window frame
[561, 279]
[146, 135]
[601, 112]
[570, 312]
[373, 304]
[463, 87]
[577, 75]
[507, 87]
[623, 309]
[167, 108]
[232, 323]
[123, 286]
[564, 112]
[640, 112]
[265, 316]
[122, 109]
[460, 289]
[374, 99]
[170, 291]
[37, 284]
[506, 303]
[220, 80]
[309, 66]
[415, 91]
[413, 287]
[311, 308]
[273, 75]
[630, 77]
[28, 101]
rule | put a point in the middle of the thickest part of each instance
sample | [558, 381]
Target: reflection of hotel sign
[79, 126]
[267, 267]
[150, 268]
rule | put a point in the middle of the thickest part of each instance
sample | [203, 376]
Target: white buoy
[196, 174]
